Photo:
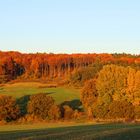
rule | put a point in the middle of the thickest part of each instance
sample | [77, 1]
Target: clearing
[60, 94]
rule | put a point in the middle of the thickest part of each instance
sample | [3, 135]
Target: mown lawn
[85, 132]
[60, 94]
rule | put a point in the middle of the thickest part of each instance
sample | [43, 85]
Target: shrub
[77, 114]
[55, 112]
[68, 112]
[39, 105]
[9, 110]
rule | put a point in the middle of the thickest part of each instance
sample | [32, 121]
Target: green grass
[85, 132]
[60, 94]
[59, 130]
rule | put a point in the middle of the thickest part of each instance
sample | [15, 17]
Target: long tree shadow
[74, 104]
[23, 102]
[1, 88]
[50, 93]
[86, 132]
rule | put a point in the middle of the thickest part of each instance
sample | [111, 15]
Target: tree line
[51, 66]
[35, 108]
[114, 93]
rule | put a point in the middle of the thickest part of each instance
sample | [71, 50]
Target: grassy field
[81, 132]
[60, 94]
[61, 130]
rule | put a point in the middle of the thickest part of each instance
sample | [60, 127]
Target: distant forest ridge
[43, 65]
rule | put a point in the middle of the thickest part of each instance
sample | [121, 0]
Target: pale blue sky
[70, 26]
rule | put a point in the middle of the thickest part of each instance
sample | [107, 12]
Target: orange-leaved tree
[9, 110]
[39, 105]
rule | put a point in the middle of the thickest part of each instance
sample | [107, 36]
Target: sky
[70, 26]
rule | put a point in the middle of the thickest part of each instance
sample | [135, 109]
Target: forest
[109, 86]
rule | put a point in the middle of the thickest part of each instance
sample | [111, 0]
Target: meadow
[77, 132]
[60, 94]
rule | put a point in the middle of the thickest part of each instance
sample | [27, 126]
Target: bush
[9, 110]
[77, 114]
[68, 112]
[54, 113]
[39, 105]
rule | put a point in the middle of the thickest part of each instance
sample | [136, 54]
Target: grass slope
[88, 132]
[60, 94]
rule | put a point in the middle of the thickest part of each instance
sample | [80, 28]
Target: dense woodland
[110, 85]
[42, 65]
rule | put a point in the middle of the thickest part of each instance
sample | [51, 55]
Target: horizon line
[43, 52]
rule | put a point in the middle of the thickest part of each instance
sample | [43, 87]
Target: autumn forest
[108, 83]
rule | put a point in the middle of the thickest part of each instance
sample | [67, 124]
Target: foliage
[89, 93]
[100, 110]
[111, 82]
[68, 112]
[39, 105]
[137, 112]
[83, 74]
[121, 109]
[51, 66]
[55, 113]
[114, 94]
[9, 110]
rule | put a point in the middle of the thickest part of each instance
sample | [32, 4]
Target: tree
[137, 112]
[39, 105]
[133, 88]
[9, 110]
[121, 109]
[100, 110]
[81, 75]
[89, 94]
[111, 82]
[43, 65]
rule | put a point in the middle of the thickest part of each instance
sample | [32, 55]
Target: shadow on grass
[87, 132]
[48, 93]
[1, 88]
[23, 102]
[74, 104]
